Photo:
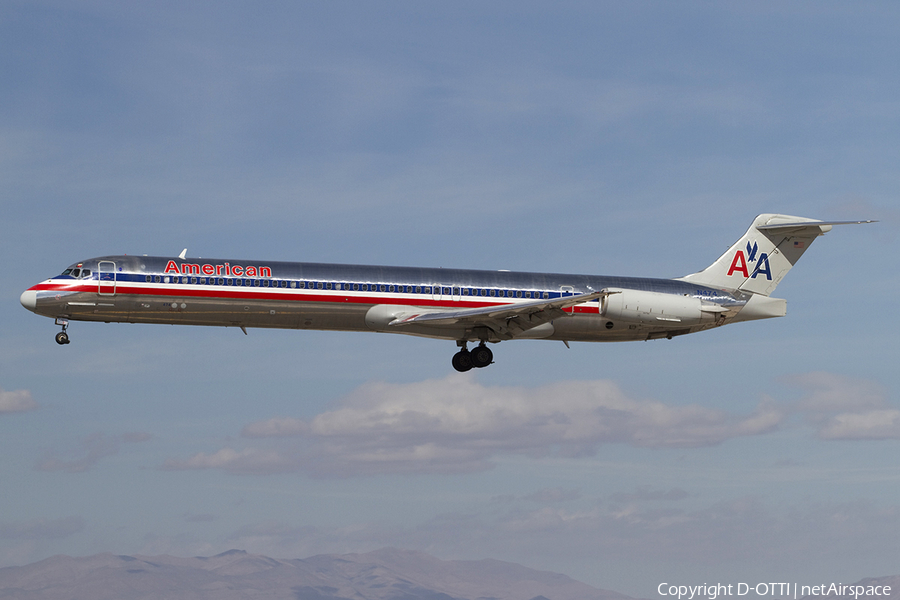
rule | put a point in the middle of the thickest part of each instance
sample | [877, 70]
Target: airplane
[465, 306]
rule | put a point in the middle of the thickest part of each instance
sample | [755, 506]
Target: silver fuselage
[241, 293]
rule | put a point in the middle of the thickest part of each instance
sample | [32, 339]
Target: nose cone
[29, 299]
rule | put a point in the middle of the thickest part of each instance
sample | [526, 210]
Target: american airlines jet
[464, 306]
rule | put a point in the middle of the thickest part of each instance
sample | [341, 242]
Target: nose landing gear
[62, 338]
[479, 357]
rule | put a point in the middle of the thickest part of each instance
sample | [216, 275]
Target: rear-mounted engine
[654, 308]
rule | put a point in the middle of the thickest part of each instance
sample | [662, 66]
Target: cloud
[246, 461]
[739, 531]
[842, 408]
[732, 530]
[200, 518]
[868, 425]
[17, 401]
[828, 392]
[92, 449]
[553, 495]
[456, 425]
[280, 427]
[646, 494]
[42, 529]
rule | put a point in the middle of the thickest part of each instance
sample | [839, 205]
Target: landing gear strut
[62, 338]
[480, 357]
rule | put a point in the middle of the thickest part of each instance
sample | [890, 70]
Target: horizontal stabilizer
[823, 226]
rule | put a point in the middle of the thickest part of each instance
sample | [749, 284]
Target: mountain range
[387, 574]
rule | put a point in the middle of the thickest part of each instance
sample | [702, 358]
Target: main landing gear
[480, 356]
[62, 338]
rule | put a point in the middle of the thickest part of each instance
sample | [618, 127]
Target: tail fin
[762, 257]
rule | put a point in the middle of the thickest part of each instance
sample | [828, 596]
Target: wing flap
[528, 314]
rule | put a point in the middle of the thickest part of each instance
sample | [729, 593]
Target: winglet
[183, 254]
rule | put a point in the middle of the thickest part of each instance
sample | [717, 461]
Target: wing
[508, 320]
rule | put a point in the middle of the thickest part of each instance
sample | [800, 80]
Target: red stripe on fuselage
[291, 295]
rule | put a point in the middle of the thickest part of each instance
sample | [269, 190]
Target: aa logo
[740, 262]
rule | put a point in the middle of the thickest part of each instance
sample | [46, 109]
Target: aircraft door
[106, 278]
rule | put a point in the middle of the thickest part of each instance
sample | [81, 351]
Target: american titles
[225, 269]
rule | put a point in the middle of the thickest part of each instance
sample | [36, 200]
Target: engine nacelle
[653, 308]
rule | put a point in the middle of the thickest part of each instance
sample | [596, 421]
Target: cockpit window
[76, 273]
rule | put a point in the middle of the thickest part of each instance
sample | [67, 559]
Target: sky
[636, 138]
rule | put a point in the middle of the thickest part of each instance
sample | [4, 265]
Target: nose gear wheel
[62, 338]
